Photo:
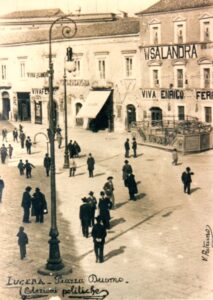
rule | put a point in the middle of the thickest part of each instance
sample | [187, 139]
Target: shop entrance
[5, 106]
[156, 116]
[24, 112]
[104, 119]
[131, 115]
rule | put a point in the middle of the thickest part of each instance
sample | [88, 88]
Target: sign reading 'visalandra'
[170, 52]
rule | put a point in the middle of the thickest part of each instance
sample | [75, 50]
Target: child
[22, 241]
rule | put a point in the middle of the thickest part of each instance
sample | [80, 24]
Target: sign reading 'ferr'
[170, 52]
[204, 95]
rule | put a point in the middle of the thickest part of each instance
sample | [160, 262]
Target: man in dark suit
[134, 147]
[104, 206]
[26, 204]
[39, 205]
[1, 188]
[127, 148]
[47, 163]
[99, 234]
[187, 179]
[90, 164]
[85, 217]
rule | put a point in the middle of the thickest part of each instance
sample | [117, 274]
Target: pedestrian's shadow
[140, 196]
[140, 154]
[82, 155]
[79, 174]
[99, 174]
[115, 222]
[114, 253]
[195, 189]
[138, 182]
[118, 205]
[35, 152]
[179, 164]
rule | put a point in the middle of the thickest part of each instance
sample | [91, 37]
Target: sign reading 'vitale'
[162, 94]
[170, 52]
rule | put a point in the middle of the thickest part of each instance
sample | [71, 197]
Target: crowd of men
[94, 214]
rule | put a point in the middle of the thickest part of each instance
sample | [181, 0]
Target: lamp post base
[64, 271]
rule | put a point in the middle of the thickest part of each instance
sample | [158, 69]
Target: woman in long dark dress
[132, 186]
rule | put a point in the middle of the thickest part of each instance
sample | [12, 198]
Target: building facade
[176, 60]
[106, 79]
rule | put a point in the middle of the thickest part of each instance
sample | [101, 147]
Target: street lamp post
[69, 66]
[54, 263]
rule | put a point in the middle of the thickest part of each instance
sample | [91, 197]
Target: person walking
[10, 150]
[22, 138]
[134, 147]
[174, 157]
[4, 135]
[26, 204]
[85, 217]
[28, 167]
[59, 140]
[28, 145]
[109, 190]
[93, 205]
[70, 149]
[187, 179]
[132, 186]
[15, 135]
[47, 163]
[39, 205]
[127, 148]
[58, 130]
[126, 170]
[104, 206]
[1, 188]
[99, 234]
[90, 164]
[77, 149]
[22, 242]
[20, 128]
[73, 167]
[3, 151]
[21, 167]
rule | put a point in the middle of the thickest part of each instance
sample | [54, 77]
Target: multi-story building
[105, 83]
[176, 60]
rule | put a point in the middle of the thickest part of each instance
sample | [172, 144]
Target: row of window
[207, 112]
[180, 32]
[101, 68]
[180, 80]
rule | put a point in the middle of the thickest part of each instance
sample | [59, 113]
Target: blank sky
[87, 6]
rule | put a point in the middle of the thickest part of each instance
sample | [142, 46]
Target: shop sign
[37, 74]
[42, 91]
[204, 95]
[170, 52]
[77, 82]
[163, 94]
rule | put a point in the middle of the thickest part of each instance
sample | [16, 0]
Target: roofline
[73, 39]
[171, 11]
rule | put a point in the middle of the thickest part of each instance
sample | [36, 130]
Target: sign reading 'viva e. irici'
[170, 52]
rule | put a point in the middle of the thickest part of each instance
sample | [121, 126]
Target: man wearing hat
[99, 234]
[39, 205]
[85, 217]
[127, 169]
[109, 188]
[104, 206]
[22, 242]
[26, 204]
[92, 202]
[187, 179]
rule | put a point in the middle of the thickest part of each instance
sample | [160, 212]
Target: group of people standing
[87, 217]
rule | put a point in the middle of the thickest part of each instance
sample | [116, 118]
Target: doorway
[78, 121]
[156, 116]
[131, 115]
[5, 106]
[24, 111]
[104, 119]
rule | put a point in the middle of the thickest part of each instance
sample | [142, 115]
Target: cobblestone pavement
[154, 247]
